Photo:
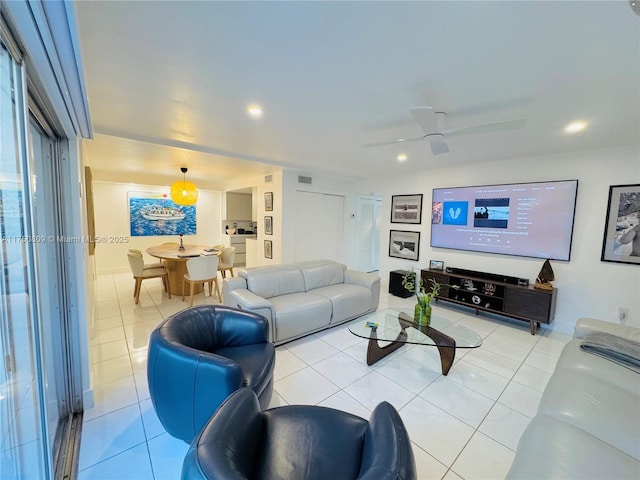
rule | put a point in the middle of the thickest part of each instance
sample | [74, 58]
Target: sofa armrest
[233, 283]
[363, 279]
[585, 326]
[247, 300]
[387, 452]
[367, 280]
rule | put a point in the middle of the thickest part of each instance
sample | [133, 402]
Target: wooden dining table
[175, 261]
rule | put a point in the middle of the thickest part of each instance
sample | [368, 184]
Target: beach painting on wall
[155, 214]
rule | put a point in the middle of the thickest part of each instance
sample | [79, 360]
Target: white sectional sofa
[588, 421]
[303, 298]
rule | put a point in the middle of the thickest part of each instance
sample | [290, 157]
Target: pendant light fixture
[183, 192]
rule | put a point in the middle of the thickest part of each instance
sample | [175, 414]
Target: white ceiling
[169, 82]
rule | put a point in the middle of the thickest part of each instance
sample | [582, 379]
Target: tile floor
[465, 425]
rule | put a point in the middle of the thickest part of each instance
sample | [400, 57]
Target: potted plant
[422, 311]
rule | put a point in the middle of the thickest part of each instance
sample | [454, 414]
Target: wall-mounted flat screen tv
[523, 219]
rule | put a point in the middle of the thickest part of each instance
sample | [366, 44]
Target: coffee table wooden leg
[446, 347]
[447, 355]
[376, 353]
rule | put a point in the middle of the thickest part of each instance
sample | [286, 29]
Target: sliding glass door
[23, 442]
[36, 375]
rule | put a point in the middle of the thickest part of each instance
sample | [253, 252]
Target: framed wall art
[403, 244]
[268, 225]
[152, 214]
[621, 243]
[268, 253]
[268, 201]
[406, 209]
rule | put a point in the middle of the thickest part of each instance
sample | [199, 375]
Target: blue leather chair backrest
[299, 442]
[210, 327]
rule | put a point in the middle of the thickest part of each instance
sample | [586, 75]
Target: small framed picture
[268, 201]
[268, 225]
[621, 242]
[436, 265]
[267, 249]
[404, 244]
[406, 209]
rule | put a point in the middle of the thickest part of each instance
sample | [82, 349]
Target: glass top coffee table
[398, 327]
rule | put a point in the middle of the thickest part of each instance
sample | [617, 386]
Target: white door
[368, 234]
[319, 226]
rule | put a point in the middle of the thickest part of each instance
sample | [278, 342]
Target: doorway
[38, 380]
[368, 233]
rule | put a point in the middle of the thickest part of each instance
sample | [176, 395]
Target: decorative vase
[181, 247]
[422, 314]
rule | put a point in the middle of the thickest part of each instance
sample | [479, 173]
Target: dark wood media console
[496, 294]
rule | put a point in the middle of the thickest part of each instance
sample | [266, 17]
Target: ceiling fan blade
[426, 118]
[439, 147]
[488, 127]
[393, 142]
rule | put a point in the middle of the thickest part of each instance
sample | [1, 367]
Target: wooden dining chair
[139, 274]
[201, 270]
[147, 266]
[226, 261]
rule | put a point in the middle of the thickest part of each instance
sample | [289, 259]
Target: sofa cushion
[348, 301]
[595, 406]
[270, 282]
[320, 273]
[300, 313]
[551, 448]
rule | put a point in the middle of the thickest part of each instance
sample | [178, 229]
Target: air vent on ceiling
[304, 179]
[268, 178]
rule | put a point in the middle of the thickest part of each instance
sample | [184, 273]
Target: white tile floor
[465, 425]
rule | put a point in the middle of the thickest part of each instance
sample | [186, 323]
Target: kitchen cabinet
[238, 206]
[239, 243]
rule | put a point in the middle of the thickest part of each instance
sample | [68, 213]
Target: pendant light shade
[183, 192]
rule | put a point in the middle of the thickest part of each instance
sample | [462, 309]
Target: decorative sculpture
[545, 277]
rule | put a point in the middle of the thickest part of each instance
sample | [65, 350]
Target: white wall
[586, 286]
[112, 220]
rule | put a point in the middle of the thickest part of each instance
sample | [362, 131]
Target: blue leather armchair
[299, 442]
[201, 355]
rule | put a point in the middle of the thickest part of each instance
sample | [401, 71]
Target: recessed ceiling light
[254, 111]
[575, 127]
[402, 157]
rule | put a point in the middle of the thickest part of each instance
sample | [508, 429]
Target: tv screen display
[523, 219]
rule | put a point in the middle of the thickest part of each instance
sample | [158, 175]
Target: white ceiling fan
[433, 126]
